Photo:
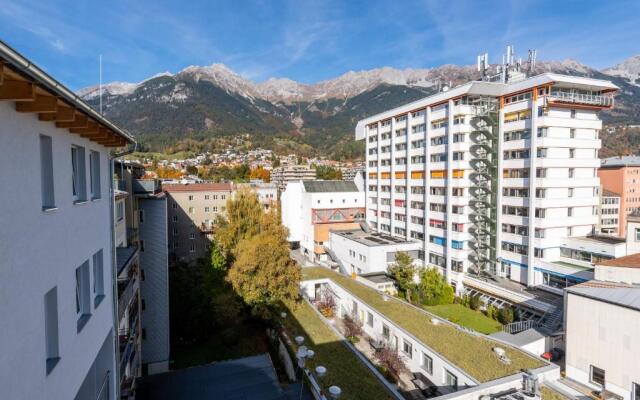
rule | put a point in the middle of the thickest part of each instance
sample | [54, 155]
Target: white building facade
[58, 324]
[609, 212]
[489, 176]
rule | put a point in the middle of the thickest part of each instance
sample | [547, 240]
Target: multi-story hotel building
[193, 209]
[59, 329]
[622, 175]
[291, 173]
[489, 176]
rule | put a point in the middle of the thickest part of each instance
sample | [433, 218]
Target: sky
[306, 40]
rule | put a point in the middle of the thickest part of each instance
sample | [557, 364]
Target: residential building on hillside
[58, 251]
[498, 175]
[146, 228]
[267, 192]
[622, 175]
[609, 213]
[609, 307]
[310, 209]
[349, 174]
[192, 212]
[290, 173]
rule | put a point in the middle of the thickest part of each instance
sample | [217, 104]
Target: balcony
[577, 98]
[127, 289]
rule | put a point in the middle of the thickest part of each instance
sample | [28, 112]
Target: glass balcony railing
[578, 98]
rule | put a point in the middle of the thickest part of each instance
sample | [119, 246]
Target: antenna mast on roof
[532, 61]
[483, 65]
[100, 85]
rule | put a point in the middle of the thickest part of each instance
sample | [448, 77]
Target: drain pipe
[114, 264]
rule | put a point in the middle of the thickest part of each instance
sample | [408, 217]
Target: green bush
[491, 312]
[505, 315]
[474, 302]
[434, 289]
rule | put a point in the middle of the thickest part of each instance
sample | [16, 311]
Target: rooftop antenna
[100, 85]
[532, 60]
[483, 65]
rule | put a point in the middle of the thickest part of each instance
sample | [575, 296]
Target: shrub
[352, 327]
[326, 304]
[474, 302]
[434, 288]
[491, 312]
[391, 362]
[505, 315]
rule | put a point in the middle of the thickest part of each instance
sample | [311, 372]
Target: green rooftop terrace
[473, 354]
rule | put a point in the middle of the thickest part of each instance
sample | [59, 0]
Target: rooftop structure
[491, 176]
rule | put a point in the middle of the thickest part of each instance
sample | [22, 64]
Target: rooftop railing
[578, 98]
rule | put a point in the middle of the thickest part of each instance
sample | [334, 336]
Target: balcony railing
[124, 298]
[578, 98]
[142, 186]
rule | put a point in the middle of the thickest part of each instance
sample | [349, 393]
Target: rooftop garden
[461, 315]
[344, 369]
[473, 354]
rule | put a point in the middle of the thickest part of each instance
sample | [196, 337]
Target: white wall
[604, 335]
[291, 209]
[41, 250]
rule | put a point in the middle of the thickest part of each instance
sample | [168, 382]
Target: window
[407, 348]
[637, 234]
[78, 174]
[206, 197]
[174, 218]
[190, 197]
[572, 153]
[206, 209]
[83, 308]
[192, 235]
[98, 278]
[573, 113]
[175, 205]
[141, 245]
[192, 248]
[427, 364]
[94, 167]
[120, 211]
[450, 379]
[46, 173]
[597, 376]
[369, 319]
[191, 210]
[635, 391]
[141, 216]
[569, 211]
[51, 329]
[385, 331]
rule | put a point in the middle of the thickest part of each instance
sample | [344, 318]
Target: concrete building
[59, 330]
[622, 175]
[602, 326]
[193, 209]
[609, 213]
[310, 209]
[494, 176]
[267, 192]
[146, 216]
[291, 173]
[362, 253]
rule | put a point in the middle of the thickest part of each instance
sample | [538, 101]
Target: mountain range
[201, 106]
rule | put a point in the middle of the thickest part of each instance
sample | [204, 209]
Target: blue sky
[307, 41]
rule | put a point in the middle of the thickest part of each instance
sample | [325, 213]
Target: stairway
[553, 319]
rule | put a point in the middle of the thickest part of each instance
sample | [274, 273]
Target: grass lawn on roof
[344, 369]
[473, 354]
[466, 317]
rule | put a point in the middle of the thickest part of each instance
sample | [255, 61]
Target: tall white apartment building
[489, 176]
[57, 247]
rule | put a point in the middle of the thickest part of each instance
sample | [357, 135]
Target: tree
[260, 173]
[434, 288]
[263, 273]
[475, 302]
[505, 315]
[391, 363]
[243, 219]
[275, 162]
[328, 173]
[404, 272]
[192, 170]
[352, 327]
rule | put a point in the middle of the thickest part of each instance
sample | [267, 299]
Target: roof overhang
[34, 91]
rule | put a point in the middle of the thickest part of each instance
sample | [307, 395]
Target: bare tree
[391, 363]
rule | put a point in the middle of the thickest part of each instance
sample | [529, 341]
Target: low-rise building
[193, 209]
[267, 192]
[361, 252]
[290, 173]
[310, 209]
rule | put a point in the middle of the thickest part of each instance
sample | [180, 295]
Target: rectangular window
[635, 391]
[597, 376]
[120, 211]
[427, 364]
[407, 348]
[450, 379]
[78, 174]
[98, 278]
[637, 234]
[141, 245]
[192, 248]
[94, 166]
[190, 197]
[46, 173]
[141, 216]
[385, 331]
[369, 319]
[51, 329]
[83, 307]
